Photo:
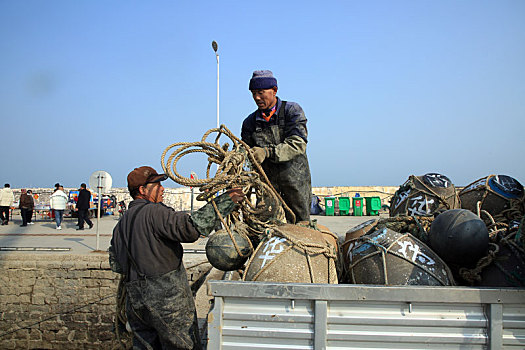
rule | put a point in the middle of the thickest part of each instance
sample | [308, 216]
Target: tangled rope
[236, 167]
[474, 275]
[418, 226]
[501, 233]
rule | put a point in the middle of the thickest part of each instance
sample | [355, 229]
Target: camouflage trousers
[161, 312]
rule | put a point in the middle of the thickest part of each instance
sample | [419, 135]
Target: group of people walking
[58, 202]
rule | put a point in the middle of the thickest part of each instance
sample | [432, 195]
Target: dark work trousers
[83, 216]
[4, 214]
[290, 179]
[24, 212]
[29, 215]
[161, 312]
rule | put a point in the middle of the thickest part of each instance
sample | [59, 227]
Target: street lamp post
[215, 47]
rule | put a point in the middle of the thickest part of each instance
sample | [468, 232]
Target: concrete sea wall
[60, 301]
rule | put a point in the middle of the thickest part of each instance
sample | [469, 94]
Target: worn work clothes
[160, 306]
[285, 137]
[156, 241]
[162, 313]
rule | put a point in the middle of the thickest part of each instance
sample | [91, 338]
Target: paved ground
[43, 236]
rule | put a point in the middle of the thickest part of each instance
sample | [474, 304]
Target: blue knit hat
[262, 79]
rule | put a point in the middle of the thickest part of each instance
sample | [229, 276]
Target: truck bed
[268, 315]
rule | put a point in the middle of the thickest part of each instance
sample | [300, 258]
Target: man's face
[154, 192]
[265, 99]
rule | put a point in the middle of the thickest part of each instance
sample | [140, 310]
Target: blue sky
[390, 88]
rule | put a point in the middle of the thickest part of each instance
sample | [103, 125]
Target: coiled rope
[237, 167]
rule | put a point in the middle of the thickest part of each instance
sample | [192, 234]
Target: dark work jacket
[290, 178]
[84, 197]
[155, 242]
[153, 232]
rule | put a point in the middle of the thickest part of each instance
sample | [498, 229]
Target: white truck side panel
[261, 315]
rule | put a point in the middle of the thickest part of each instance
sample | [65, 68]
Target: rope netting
[310, 249]
[504, 231]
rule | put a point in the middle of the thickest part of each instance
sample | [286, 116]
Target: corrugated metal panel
[514, 326]
[312, 316]
[267, 324]
[370, 325]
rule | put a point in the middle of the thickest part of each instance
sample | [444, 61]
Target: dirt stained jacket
[285, 136]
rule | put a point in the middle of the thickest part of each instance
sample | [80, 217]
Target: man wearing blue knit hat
[277, 133]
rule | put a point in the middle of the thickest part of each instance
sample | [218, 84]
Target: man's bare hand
[237, 195]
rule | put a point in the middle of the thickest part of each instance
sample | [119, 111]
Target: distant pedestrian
[26, 205]
[30, 211]
[83, 204]
[6, 201]
[58, 202]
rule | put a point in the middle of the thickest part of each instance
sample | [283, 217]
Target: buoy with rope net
[424, 195]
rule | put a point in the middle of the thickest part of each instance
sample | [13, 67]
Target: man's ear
[142, 190]
[274, 89]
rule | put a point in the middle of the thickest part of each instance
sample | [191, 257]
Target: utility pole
[215, 47]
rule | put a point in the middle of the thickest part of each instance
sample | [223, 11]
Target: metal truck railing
[263, 315]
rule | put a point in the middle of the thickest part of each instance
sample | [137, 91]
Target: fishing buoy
[494, 193]
[459, 237]
[222, 253]
[424, 195]
[293, 253]
[386, 257]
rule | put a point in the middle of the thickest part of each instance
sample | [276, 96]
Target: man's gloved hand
[206, 219]
[259, 154]
[236, 194]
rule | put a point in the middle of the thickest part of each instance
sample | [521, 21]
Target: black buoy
[221, 251]
[459, 237]
[387, 257]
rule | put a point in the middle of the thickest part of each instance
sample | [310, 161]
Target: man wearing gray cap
[146, 249]
[277, 133]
